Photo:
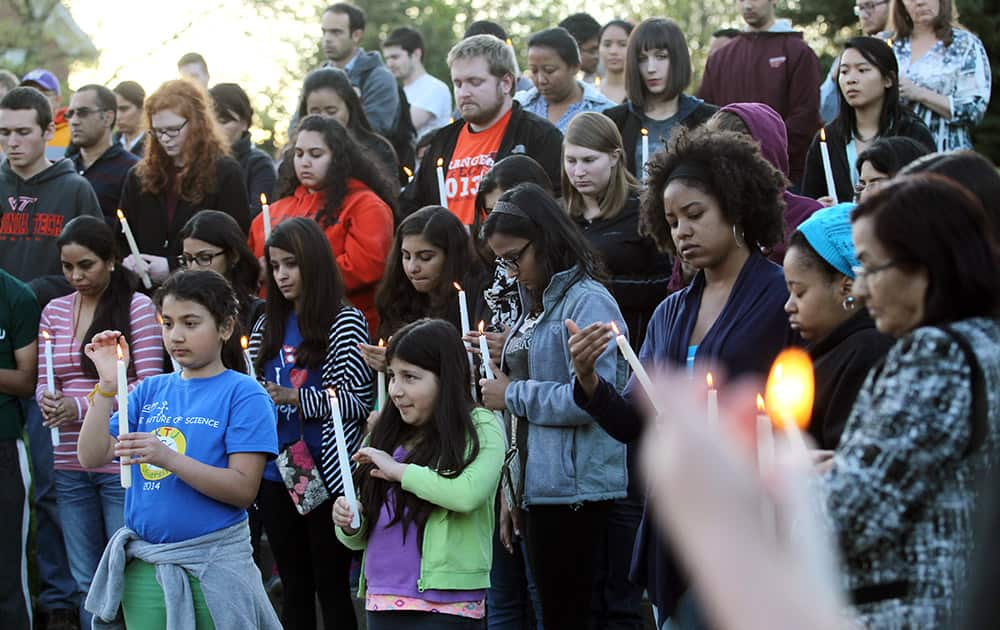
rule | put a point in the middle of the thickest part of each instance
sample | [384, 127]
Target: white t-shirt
[431, 95]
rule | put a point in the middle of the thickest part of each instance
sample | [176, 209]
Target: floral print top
[961, 72]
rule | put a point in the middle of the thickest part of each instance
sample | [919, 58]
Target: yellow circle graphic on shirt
[175, 441]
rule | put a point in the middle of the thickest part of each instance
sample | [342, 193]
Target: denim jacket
[571, 459]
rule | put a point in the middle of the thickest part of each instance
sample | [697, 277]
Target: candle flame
[889, 41]
[159, 318]
[709, 380]
[510, 42]
[614, 327]
[458, 287]
[409, 173]
[760, 404]
[121, 355]
[244, 342]
[440, 162]
[791, 387]
[597, 81]
[381, 343]
[263, 199]
[822, 134]
[644, 131]
[451, 120]
[45, 334]
[482, 327]
[121, 215]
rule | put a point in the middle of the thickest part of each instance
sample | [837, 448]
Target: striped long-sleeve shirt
[344, 370]
[146, 348]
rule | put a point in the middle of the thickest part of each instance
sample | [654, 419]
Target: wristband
[97, 391]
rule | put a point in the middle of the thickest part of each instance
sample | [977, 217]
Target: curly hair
[203, 147]
[347, 161]
[748, 188]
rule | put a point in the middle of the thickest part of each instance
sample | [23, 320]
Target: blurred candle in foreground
[789, 395]
[713, 401]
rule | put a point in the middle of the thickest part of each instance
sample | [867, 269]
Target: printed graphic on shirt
[22, 221]
[174, 440]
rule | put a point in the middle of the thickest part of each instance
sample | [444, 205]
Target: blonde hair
[595, 131]
[498, 55]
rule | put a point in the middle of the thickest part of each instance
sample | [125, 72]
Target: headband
[690, 170]
[506, 207]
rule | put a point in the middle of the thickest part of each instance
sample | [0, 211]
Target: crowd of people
[386, 377]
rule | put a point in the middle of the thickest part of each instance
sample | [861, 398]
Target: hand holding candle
[140, 264]
[831, 187]
[345, 463]
[484, 351]
[50, 378]
[637, 369]
[265, 211]
[126, 468]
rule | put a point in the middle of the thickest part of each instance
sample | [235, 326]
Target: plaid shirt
[107, 176]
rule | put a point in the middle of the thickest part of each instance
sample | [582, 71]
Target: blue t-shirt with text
[206, 419]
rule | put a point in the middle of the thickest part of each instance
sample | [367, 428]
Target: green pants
[143, 601]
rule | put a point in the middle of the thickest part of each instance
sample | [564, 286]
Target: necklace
[858, 137]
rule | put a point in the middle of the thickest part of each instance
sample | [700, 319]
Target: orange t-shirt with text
[474, 154]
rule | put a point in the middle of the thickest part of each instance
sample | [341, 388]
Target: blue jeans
[58, 590]
[507, 599]
[92, 508]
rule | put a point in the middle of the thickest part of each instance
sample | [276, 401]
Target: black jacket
[526, 133]
[629, 123]
[147, 213]
[638, 272]
[813, 178]
[259, 174]
[138, 150]
[841, 362]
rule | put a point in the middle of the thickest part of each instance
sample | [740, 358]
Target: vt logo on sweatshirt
[22, 221]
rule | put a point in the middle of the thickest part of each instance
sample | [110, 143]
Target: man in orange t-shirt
[492, 127]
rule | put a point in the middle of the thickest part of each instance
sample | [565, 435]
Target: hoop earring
[739, 238]
[850, 303]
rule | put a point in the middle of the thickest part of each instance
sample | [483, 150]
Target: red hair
[203, 145]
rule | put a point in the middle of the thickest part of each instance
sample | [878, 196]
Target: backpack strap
[979, 401]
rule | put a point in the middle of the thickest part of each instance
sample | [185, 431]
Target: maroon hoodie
[774, 67]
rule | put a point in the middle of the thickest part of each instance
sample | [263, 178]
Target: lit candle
[266, 211]
[789, 394]
[713, 401]
[831, 188]
[597, 81]
[140, 264]
[245, 344]
[345, 463]
[50, 377]
[484, 351]
[126, 468]
[645, 150]
[463, 311]
[381, 382]
[409, 174]
[442, 189]
[633, 361]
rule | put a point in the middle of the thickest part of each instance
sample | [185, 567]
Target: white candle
[765, 461]
[463, 311]
[245, 344]
[140, 264]
[345, 463]
[442, 188]
[713, 401]
[126, 468]
[831, 188]
[50, 378]
[409, 174]
[381, 382]
[637, 368]
[645, 151]
[484, 351]
[266, 211]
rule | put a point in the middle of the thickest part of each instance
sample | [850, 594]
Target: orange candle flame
[121, 215]
[614, 327]
[760, 404]
[263, 199]
[644, 131]
[482, 326]
[409, 173]
[244, 342]
[381, 343]
[822, 134]
[710, 381]
[458, 287]
[121, 355]
[45, 334]
[440, 162]
[791, 387]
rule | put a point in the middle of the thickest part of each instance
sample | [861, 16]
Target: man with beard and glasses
[492, 126]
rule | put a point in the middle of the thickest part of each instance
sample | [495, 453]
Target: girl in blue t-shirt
[426, 487]
[198, 441]
[304, 346]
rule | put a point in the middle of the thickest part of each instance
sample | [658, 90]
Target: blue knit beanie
[828, 230]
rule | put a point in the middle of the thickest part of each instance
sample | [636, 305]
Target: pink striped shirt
[147, 360]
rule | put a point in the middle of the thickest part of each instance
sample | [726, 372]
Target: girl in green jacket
[426, 484]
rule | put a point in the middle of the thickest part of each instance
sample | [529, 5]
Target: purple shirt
[392, 564]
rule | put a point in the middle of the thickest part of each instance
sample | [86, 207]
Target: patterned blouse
[962, 73]
[901, 495]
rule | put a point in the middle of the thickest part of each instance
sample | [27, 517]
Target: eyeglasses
[168, 132]
[871, 185]
[82, 112]
[201, 259]
[510, 263]
[861, 271]
[867, 7]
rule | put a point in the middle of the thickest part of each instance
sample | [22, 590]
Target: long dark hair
[347, 161]
[212, 291]
[220, 229]
[397, 301]
[319, 284]
[880, 55]
[114, 307]
[558, 243]
[446, 443]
